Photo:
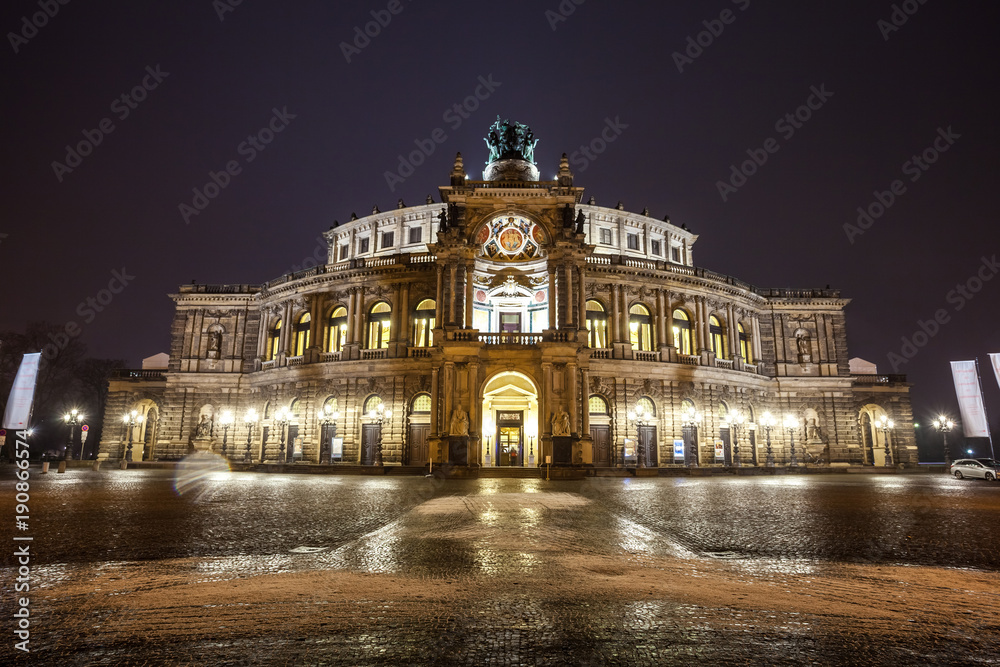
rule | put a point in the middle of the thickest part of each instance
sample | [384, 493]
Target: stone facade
[512, 302]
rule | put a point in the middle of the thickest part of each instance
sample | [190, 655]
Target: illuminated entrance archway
[510, 420]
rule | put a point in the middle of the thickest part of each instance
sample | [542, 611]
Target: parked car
[987, 469]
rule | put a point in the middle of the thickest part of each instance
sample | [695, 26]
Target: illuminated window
[640, 329]
[378, 326]
[330, 405]
[645, 405]
[422, 404]
[598, 406]
[605, 236]
[682, 332]
[717, 337]
[597, 325]
[423, 323]
[633, 241]
[302, 335]
[372, 404]
[745, 350]
[273, 336]
[336, 330]
[388, 239]
[294, 408]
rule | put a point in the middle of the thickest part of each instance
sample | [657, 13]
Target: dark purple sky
[784, 227]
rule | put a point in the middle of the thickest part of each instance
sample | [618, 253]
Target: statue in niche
[812, 430]
[214, 344]
[459, 422]
[804, 347]
[204, 428]
[560, 423]
[443, 218]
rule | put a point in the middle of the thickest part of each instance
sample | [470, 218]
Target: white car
[987, 469]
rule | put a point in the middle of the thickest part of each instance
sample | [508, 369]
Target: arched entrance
[873, 441]
[510, 420]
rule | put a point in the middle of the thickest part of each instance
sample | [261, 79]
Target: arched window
[267, 409]
[330, 405]
[273, 336]
[682, 332]
[336, 330]
[597, 325]
[724, 412]
[598, 406]
[372, 404]
[423, 323]
[422, 404]
[687, 406]
[745, 349]
[294, 408]
[640, 330]
[717, 337]
[378, 326]
[302, 335]
[645, 405]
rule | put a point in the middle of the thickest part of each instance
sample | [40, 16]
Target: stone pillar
[552, 297]
[568, 272]
[582, 297]
[285, 340]
[350, 316]
[615, 315]
[755, 335]
[316, 324]
[435, 408]
[734, 338]
[574, 400]
[585, 402]
[545, 407]
[475, 421]
[469, 294]
[439, 298]
[452, 285]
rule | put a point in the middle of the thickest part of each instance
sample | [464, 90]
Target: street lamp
[767, 422]
[327, 417]
[790, 424]
[691, 418]
[641, 417]
[885, 425]
[281, 418]
[736, 421]
[377, 415]
[130, 419]
[73, 418]
[226, 419]
[944, 425]
[250, 420]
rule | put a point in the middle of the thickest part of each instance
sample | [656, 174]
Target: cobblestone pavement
[248, 569]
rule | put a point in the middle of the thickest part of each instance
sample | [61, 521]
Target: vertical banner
[22, 393]
[970, 399]
[995, 361]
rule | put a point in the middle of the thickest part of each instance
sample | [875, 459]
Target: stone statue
[803, 343]
[581, 222]
[443, 218]
[459, 422]
[510, 141]
[812, 430]
[560, 423]
[214, 344]
[204, 428]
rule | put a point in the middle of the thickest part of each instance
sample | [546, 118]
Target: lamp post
[130, 419]
[377, 415]
[767, 422]
[885, 425]
[736, 421]
[790, 424]
[73, 419]
[327, 417]
[531, 449]
[642, 418]
[226, 419]
[944, 425]
[281, 419]
[249, 420]
[691, 418]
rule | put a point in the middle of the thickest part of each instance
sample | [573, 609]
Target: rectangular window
[416, 234]
[388, 239]
[344, 250]
[675, 254]
[654, 247]
[606, 236]
[362, 246]
[633, 241]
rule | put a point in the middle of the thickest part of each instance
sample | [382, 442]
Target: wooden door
[369, 441]
[647, 443]
[418, 444]
[601, 435]
[293, 432]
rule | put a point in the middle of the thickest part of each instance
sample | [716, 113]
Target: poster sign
[629, 448]
[995, 361]
[720, 450]
[22, 393]
[679, 450]
[337, 448]
[970, 399]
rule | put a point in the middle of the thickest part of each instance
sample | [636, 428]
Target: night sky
[565, 69]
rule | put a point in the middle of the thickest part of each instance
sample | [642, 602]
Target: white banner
[970, 399]
[995, 359]
[22, 393]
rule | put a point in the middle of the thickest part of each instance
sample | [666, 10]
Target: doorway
[601, 435]
[510, 421]
[510, 438]
[647, 443]
[418, 444]
[370, 434]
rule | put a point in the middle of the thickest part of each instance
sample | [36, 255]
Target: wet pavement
[244, 568]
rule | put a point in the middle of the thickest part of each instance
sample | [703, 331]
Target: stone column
[403, 336]
[315, 325]
[568, 272]
[350, 316]
[734, 338]
[585, 403]
[552, 297]
[469, 294]
[615, 316]
[435, 408]
[439, 298]
[624, 315]
[574, 400]
[756, 338]
[475, 421]
[452, 285]
[582, 296]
